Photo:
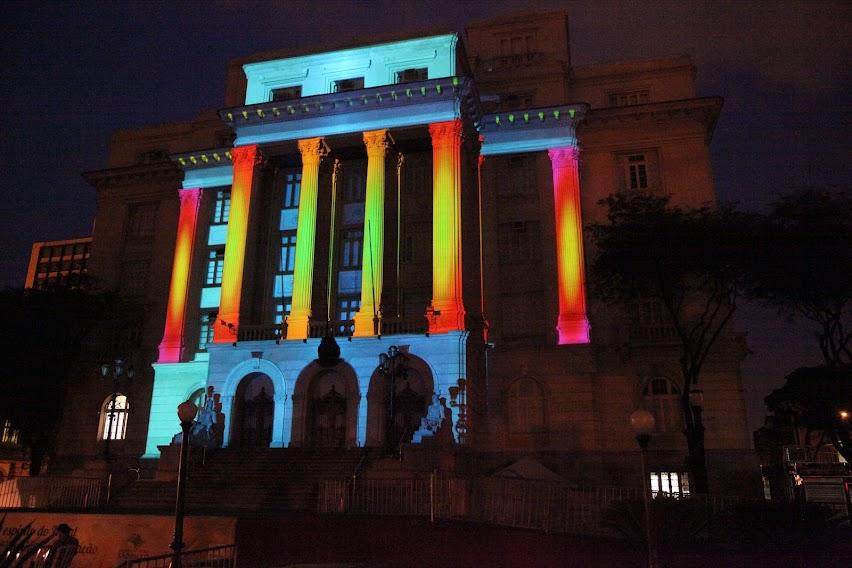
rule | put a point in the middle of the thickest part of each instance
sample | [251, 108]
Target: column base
[366, 324]
[573, 330]
[170, 352]
[297, 326]
[443, 319]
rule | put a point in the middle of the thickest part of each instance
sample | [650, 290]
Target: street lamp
[186, 413]
[391, 365]
[643, 423]
[117, 371]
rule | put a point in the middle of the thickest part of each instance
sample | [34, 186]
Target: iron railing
[51, 492]
[224, 556]
[535, 505]
[268, 332]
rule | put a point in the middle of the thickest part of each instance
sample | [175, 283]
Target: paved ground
[370, 542]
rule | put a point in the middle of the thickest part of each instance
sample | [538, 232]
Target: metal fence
[215, 557]
[51, 492]
[536, 505]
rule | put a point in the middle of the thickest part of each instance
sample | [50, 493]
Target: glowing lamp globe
[186, 411]
[642, 422]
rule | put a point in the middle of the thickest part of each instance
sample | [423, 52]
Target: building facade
[422, 198]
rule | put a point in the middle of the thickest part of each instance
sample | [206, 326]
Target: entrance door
[256, 424]
[328, 420]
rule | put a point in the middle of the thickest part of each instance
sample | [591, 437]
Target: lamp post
[642, 423]
[391, 365]
[186, 413]
[117, 371]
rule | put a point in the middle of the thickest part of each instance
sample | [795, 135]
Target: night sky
[74, 72]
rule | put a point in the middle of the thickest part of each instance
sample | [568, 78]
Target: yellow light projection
[245, 159]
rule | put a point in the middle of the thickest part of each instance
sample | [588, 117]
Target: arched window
[115, 427]
[662, 398]
[526, 406]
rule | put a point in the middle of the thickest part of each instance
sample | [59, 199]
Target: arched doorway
[327, 411]
[253, 412]
[413, 387]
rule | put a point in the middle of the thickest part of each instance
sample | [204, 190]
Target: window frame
[111, 432]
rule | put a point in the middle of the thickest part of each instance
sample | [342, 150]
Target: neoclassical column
[313, 150]
[572, 324]
[245, 160]
[172, 344]
[446, 312]
[372, 273]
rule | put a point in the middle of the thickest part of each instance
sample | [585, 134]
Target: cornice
[705, 109]
[208, 158]
[129, 175]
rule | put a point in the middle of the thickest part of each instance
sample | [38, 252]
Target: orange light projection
[572, 324]
[446, 313]
[245, 159]
[172, 343]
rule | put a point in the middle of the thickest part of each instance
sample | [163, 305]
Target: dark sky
[72, 72]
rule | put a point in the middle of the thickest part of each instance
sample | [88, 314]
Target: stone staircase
[274, 479]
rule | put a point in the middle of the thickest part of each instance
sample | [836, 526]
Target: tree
[804, 268]
[814, 399]
[691, 261]
[51, 337]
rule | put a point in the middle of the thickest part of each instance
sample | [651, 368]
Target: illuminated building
[428, 193]
[58, 264]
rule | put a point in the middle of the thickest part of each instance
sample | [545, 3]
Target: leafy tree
[691, 261]
[813, 399]
[51, 337]
[804, 268]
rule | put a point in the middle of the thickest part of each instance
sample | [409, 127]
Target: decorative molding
[313, 149]
[377, 142]
[566, 156]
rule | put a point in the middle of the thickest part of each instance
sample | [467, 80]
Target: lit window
[282, 309]
[141, 220]
[287, 257]
[9, 435]
[662, 398]
[347, 307]
[292, 189]
[351, 248]
[669, 484]
[353, 84]
[412, 75]
[637, 171]
[205, 335]
[222, 207]
[526, 406]
[215, 266]
[114, 418]
[287, 93]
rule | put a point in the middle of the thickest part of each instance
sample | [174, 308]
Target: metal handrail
[223, 556]
[47, 492]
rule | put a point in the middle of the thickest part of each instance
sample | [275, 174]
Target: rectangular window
[347, 307]
[516, 175]
[355, 182]
[412, 75]
[142, 220]
[629, 98]
[287, 93]
[637, 171]
[353, 84]
[518, 241]
[351, 247]
[669, 484]
[222, 207]
[205, 334]
[292, 190]
[287, 256]
[215, 265]
[282, 309]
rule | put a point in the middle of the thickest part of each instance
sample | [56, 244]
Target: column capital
[190, 195]
[247, 155]
[448, 132]
[377, 142]
[564, 156]
[313, 149]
